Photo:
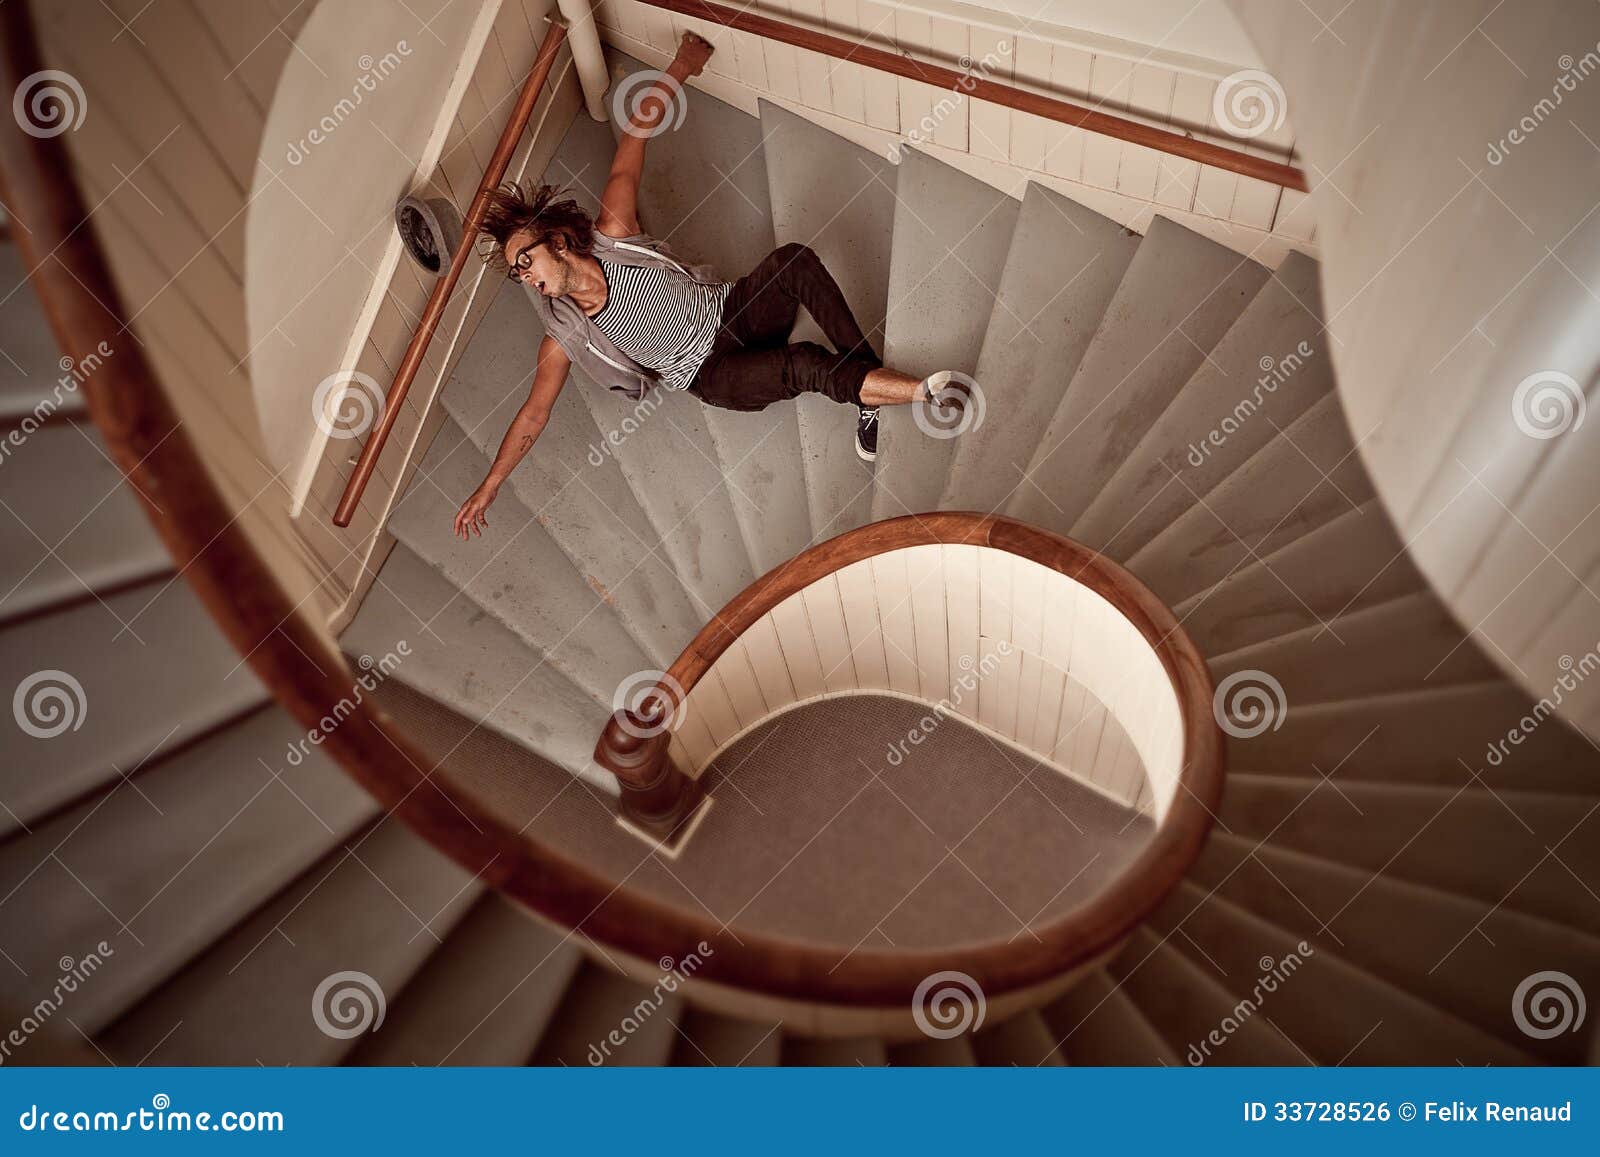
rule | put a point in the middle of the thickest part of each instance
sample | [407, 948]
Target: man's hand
[693, 52]
[470, 518]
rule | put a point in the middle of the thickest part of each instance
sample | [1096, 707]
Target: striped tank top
[661, 318]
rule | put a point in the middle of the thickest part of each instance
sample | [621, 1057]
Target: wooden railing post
[350, 500]
[656, 796]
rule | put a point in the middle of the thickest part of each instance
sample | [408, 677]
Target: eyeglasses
[523, 263]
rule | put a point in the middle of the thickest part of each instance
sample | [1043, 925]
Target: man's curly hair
[514, 207]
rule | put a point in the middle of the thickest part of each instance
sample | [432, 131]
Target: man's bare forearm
[523, 432]
[651, 106]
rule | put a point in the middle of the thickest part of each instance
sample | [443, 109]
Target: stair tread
[379, 906]
[514, 571]
[952, 234]
[1273, 360]
[838, 198]
[484, 997]
[1096, 1022]
[477, 667]
[69, 527]
[177, 855]
[154, 672]
[1180, 294]
[1064, 266]
[709, 1039]
[1022, 1040]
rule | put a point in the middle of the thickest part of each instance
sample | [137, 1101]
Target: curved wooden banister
[146, 437]
[439, 298]
[1050, 107]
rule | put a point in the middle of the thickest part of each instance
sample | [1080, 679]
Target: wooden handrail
[217, 557]
[439, 299]
[1050, 107]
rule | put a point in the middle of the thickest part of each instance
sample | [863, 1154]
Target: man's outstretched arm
[525, 428]
[619, 204]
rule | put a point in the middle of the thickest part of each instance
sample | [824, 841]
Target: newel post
[656, 796]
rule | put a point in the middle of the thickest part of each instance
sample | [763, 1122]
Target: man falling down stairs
[615, 301]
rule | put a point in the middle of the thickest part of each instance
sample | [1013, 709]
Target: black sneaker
[867, 435]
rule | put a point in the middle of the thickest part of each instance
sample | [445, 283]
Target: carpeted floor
[818, 834]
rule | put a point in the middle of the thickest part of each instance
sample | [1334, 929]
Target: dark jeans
[752, 363]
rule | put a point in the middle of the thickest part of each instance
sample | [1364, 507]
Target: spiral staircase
[1401, 885]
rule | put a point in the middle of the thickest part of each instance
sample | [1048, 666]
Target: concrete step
[163, 864]
[834, 1052]
[1097, 1023]
[1351, 562]
[1527, 851]
[1064, 265]
[661, 442]
[470, 662]
[1181, 293]
[69, 527]
[1336, 1012]
[608, 1020]
[33, 382]
[123, 680]
[1464, 955]
[1306, 476]
[1442, 736]
[838, 198]
[706, 192]
[1025, 1040]
[380, 906]
[1410, 642]
[588, 509]
[484, 998]
[1269, 367]
[952, 234]
[514, 571]
[1186, 1005]
[708, 1039]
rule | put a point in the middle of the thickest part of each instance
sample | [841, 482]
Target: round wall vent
[431, 230]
